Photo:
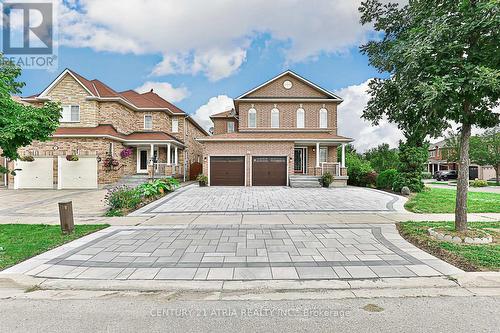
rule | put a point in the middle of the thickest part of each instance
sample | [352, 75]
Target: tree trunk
[463, 179]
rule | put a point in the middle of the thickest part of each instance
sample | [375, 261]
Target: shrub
[478, 183]
[371, 178]
[123, 197]
[426, 175]
[326, 179]
[158, 187]
[386, 179]
[358, 169]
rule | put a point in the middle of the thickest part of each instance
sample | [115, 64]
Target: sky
[201, 54]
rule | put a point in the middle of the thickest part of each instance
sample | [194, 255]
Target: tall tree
[21, 124]
[451, 149]
[485, 150]
[382, 157]
[443, 64]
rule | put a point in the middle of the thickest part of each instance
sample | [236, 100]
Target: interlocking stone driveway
[201, 200]
[238, 252]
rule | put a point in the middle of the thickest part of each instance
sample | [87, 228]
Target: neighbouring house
[438, 160]
[283, 132]
[115, 135]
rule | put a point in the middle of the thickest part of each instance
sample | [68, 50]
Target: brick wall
[288, 115]
[276, 89]
[220, 125]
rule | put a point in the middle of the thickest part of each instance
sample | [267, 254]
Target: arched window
[252, 118]
[275, 118]
[300, 117]
[323, 118]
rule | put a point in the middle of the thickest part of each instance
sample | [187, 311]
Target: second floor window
[70, 114]
[300, 118]
[323, 118]
[230, 126]
[252, 118]
[175, 125]
[148, 122]
[275, 118]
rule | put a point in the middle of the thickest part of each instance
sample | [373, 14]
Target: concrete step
[131, 181]
[304, 181]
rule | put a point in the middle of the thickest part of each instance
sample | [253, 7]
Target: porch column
[176, 156]
[168, 154]
[152, 154]
[343, 155]
[317, 154]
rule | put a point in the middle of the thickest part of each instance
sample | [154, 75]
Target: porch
[159, 160]
[317, 159]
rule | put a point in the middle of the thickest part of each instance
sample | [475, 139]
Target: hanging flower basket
[72, 158]
[126, 152]
[110, 163]
[27, 158]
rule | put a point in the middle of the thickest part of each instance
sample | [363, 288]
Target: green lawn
[467, 257]
[437, 200]
[19, 242]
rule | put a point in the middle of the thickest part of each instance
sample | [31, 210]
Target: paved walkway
[237, 252]
[257, 200]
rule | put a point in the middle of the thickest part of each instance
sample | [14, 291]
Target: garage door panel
[227, 171]
[38, 174]
[81, 174]
[269, 171]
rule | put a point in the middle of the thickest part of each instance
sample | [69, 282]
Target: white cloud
[211, 37]
[214, 105]
[165, 90]
[351, 124]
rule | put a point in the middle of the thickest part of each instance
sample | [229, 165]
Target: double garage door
[39, 174]
[265, 170]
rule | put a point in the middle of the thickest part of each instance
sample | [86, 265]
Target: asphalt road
[143, 314]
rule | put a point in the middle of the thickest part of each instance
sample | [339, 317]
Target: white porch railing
[331, 167]
[166, 170]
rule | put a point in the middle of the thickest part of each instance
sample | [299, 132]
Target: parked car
[445, 174]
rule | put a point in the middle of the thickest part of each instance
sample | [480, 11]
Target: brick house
[283, 132]
[438, 161]
[114, 134]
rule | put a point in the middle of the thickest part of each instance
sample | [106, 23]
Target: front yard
[437, 200]
[469, 257]
[19, 242]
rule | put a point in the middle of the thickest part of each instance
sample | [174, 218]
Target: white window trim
[148, 115]
[61, 120]
[303, 112]
[228, 125]
[175, 120]
[275, 111]
[250, 112]
[323, 111]
[326, 155]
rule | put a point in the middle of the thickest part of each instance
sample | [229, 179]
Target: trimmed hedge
[386, 179]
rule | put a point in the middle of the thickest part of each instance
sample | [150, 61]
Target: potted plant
[202, 179]
[326, 179]
[110, 163]
[28, 158]
[72, 158]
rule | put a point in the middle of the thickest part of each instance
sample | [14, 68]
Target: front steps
[304, 181]
[131, 180]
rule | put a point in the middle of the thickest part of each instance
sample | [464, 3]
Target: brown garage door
[227, 171]
[269, 171]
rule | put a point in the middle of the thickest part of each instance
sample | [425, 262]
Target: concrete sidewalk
[311, 218]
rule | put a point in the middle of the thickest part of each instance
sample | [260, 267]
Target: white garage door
[36, 174]
[81, 174]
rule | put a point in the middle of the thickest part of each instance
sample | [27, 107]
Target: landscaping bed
[19, 242]
[469, 257]
[437, 200]
[123, 200]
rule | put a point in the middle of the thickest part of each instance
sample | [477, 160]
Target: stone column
[176, 156]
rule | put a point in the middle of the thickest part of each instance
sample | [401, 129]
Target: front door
[298, 160]
[142, 160]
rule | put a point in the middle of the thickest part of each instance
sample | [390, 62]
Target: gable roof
[98, 90]
[330, 95]
[224, 114]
